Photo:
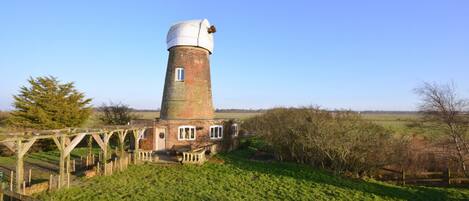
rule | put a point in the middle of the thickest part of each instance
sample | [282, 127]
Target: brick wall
[147, 142]
[191, 98]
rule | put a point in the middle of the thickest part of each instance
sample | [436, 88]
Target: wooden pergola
[66, 140]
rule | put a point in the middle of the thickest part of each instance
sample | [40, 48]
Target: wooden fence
[6, 194]
[443, 177]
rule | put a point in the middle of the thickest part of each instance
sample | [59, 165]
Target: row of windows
[216, 132]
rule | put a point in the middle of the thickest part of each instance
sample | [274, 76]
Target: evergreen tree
[48, 104]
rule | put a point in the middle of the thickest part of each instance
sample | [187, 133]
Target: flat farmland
[218, 115]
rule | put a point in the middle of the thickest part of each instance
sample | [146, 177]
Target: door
[160, 139]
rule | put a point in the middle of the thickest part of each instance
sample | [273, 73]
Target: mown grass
[239, 178]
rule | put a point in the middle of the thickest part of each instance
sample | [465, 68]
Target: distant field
[221, 115]
[398, 122]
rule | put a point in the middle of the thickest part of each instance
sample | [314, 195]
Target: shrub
[340, 141]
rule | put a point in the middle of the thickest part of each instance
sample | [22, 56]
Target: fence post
[11, 181]
[448, 176]
[68, 180]
[29, 177]
[59, 181]
[97, 169]
[50, 182]
[115, 164]
[403, 177]
[2, 186]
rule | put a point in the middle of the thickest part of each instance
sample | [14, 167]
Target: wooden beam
[11, 146]
[138, 133]
[108, 136]
[57, 143]
[47, 134]
[98, 140]
[103, 142]
[72, 144]
[121, 135]
[67, 141]
[27, 146]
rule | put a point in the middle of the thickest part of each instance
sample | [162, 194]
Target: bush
[340, 141]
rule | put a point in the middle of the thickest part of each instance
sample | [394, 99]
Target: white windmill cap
[197, 33]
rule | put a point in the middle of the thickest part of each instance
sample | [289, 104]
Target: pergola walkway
[66, 140]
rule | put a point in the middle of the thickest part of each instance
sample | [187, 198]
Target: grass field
[396, 122]
[238, 178]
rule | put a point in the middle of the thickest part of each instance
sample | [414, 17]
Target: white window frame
[235, 129]
[180, 74]
[216, 132]
[183, 136]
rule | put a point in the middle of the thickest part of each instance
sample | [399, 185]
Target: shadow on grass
[302, 172]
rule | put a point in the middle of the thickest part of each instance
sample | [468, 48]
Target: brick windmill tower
[187, 109]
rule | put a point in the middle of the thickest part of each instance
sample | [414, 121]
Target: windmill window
[180, 74]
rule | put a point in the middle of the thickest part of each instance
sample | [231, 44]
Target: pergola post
[19, 166]
[137, 136]
[21, 150]
[103, 143]
[121, 135]
[65, 149]
[61, 146]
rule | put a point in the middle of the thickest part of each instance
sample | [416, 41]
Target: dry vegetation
[340, 141]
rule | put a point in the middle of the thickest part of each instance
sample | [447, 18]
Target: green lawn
[239, 178]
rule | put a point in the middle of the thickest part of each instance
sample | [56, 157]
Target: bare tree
[116, 114]
[441, 106]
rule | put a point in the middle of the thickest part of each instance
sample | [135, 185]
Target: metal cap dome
[197, 33]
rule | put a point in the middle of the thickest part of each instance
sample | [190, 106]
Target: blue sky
[362, 55]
